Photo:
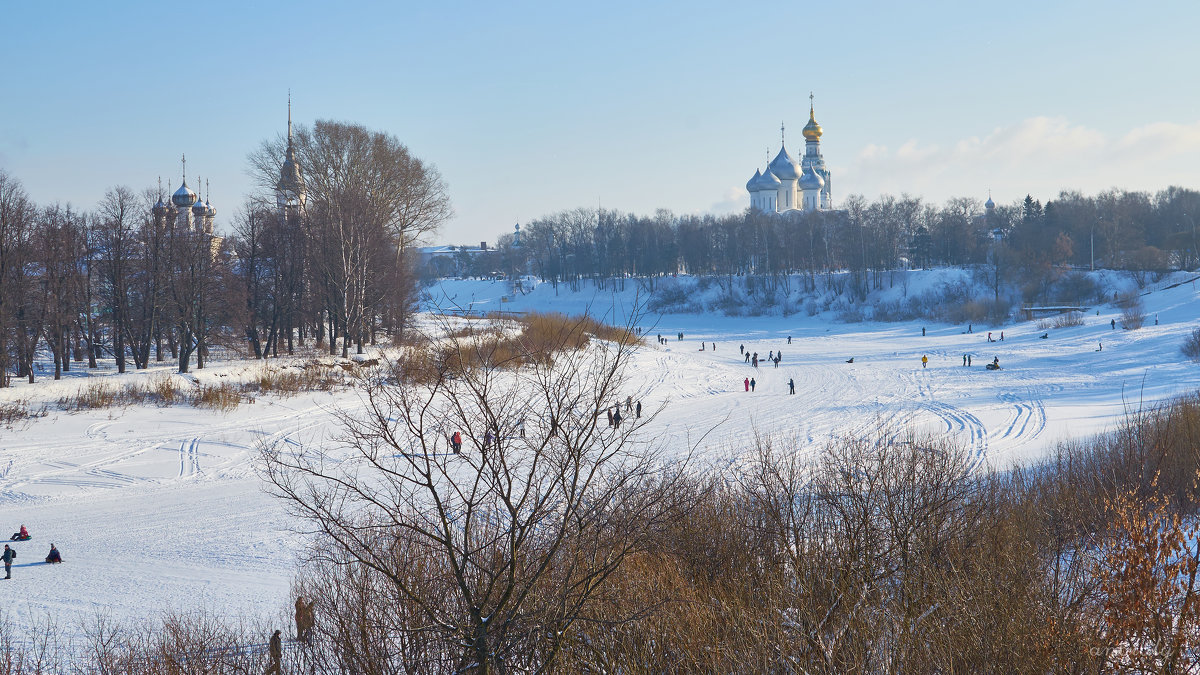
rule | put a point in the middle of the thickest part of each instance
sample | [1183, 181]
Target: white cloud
[1039, 155]
[736, 199]
[1162, 138]
[872, 152]
[911, 151]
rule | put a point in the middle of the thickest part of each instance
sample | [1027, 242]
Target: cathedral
[185, 209]
[788, 185]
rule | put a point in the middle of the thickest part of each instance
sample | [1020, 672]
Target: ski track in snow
[158, 509]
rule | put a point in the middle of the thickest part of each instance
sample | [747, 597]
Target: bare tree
[368, 201]
[493, 552]
[16, 212]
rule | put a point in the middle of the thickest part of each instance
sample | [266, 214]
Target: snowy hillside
[158, 508]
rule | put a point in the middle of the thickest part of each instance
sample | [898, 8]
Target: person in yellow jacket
[924, 361]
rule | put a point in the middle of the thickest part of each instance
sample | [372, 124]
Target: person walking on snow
[741, 349]
[964, 360]
[745, 382]
[610, 417]
[791, 386]
[1113, 323]
[752, 384]
[924, 361]
[8, 556]
[275, 651]
[617, 418]
[789, 339]
[638, 410]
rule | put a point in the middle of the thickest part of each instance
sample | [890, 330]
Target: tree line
[123, 281]
[1024, 243]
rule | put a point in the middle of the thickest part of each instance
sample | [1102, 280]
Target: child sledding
[995, 364]
[22, 535]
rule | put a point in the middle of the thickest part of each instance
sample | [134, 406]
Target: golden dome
[812, 130]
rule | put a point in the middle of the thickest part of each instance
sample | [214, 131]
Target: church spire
[289, 191]
[289, 118]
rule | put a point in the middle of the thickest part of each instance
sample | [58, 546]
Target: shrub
[1078, 288]
[1191, 346]
[667, 297]
[851, 314]
[1133, 312]
[1068, 320]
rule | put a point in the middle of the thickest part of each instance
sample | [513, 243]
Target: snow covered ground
[157, 509]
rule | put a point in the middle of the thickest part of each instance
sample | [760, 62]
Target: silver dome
[768, 181]
[811, 180]
[752, 184]
[184, 197]
[784, 166]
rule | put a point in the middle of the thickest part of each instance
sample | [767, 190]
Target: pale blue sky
[528, 108]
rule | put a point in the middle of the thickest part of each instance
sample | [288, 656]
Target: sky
[530, 108]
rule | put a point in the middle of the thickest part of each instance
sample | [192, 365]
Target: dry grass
[289, 381]
[13, 413]
[223, 397]
[541, 336]
[165, 389]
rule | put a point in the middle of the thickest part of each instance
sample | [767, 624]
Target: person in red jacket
[746, 382]
[20, 536]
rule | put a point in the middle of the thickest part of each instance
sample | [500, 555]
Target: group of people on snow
[10, 553]
[304, 626]
[614, 412]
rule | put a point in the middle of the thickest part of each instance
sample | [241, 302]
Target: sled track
[189, 458]
[1028, 419]
[959, 422]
